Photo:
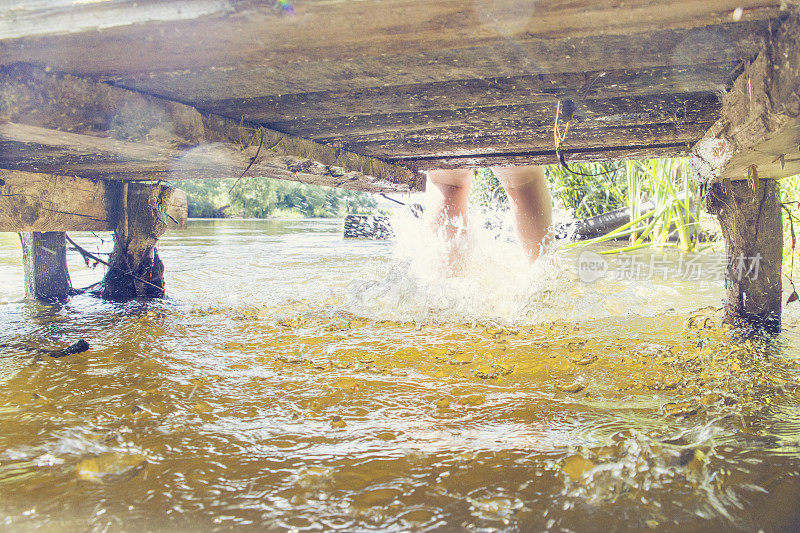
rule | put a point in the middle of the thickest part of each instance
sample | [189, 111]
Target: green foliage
[587, 196]
[486, 189]
[665, 182]
[790, 198]
[265, 197]
[668, 185]
[596, 188]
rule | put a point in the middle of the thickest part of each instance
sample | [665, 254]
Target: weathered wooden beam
[98, 38]
[470, 60]
[394, 56]
[52, 18]
[419, 150]
[758, 133]
[31, 202]
[44, 259]
[476, 93]
[49, 202]
[60, 123]
[755, 141]
[544, 157]
[750, 217]
[136, 269]
[322, 19]
[465, 141]
[130, 160]
[597, 112]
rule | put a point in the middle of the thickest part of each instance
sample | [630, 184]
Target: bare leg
[526, 187]
[448, 212]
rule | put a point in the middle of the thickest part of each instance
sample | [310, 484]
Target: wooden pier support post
[751, 220]
[740, 158]
[44, 258]
[144, 213]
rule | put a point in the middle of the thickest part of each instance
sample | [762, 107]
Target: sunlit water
[297, 381]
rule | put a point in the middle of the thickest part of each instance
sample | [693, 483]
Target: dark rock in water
[78, 347]
[367, 227]
[376, 226]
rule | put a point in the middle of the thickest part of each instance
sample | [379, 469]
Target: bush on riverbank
[266, 198]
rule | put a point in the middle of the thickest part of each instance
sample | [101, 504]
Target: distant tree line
[265, 198]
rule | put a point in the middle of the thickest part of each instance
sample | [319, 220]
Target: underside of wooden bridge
[366, 94]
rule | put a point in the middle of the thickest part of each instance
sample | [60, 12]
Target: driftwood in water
[603, 223]
[750, 217]
[44, 259]
[77, 347]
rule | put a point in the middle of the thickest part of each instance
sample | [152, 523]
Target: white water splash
[494, 282]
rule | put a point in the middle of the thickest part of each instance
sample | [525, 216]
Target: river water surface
[295, 381]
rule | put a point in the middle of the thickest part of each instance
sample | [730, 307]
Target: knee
[521, 181]
[450, 178]
[452, 186]
[515, 177]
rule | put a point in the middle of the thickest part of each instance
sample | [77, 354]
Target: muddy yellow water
[293, 381]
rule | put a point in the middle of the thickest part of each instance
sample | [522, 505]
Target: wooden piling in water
[144, 213]
[41, 207]
[739, 160]
[750, 216]
[44, 258]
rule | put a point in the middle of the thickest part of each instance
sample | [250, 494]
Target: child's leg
[448, 210]
[526, 187]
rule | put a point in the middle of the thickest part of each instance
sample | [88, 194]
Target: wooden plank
[468, 101]
[477, 93]
[33, 202]
[759, 127]
[203, 86]
[49, 202]
[25, 19]
[594, 112]
[249, 32]
[439, 143]
[92, 129]
[360, 59]
[231, 57]
[545, 157]
[52, 151]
